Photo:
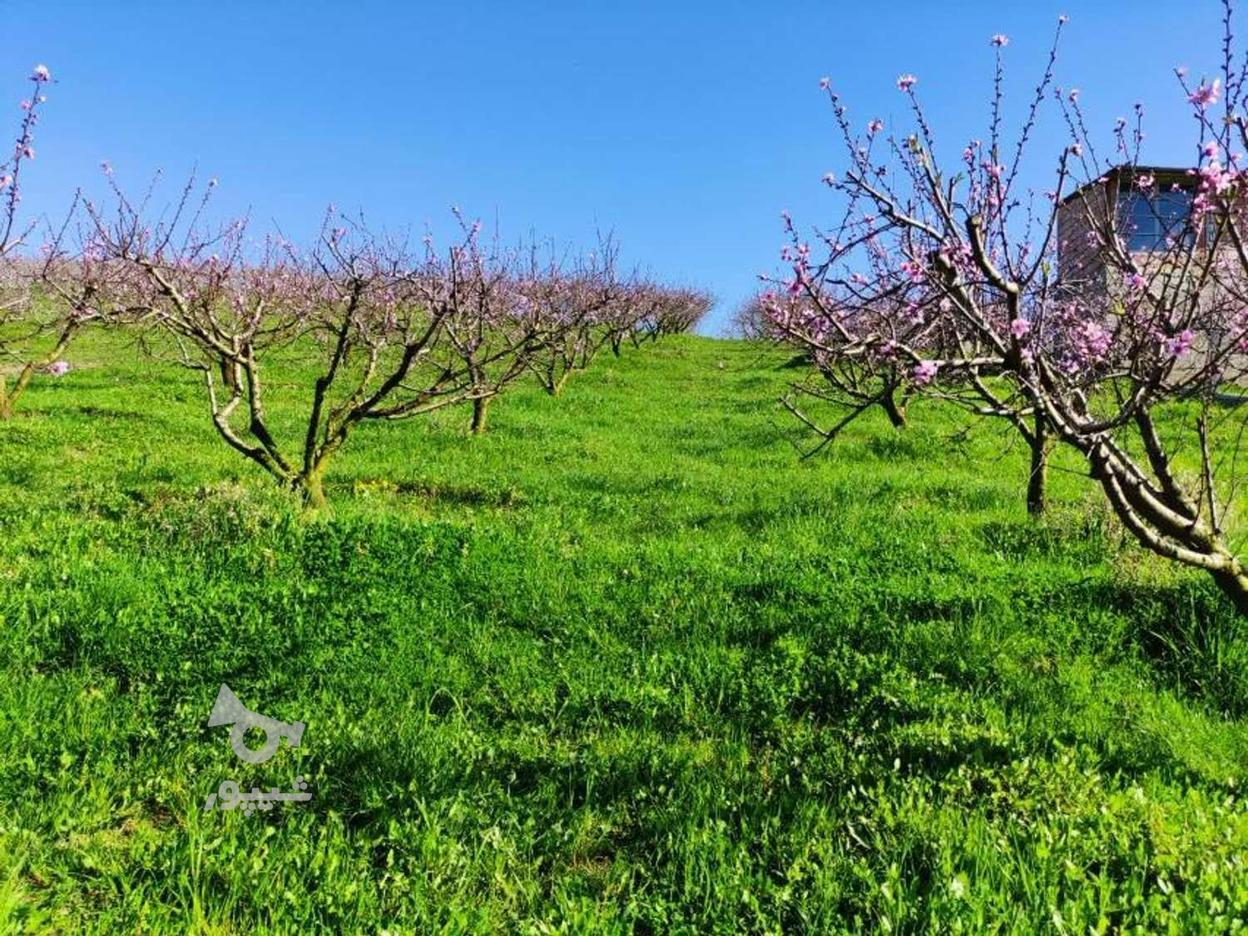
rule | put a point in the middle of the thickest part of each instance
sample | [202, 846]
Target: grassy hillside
[626, 664]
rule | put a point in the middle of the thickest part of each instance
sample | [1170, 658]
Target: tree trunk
[896, 413]
[312, 488]
[19, 387]
[1038, 479]
[480, 415]
[1235, 586]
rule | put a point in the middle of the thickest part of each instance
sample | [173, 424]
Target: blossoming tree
[1049, 309]
[657, 311]
[35, 328]
[396, 335]
[583, 302]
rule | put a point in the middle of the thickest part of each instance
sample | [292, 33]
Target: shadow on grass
[463, 495]
[1193, 638]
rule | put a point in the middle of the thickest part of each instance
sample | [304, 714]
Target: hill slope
[626, 664]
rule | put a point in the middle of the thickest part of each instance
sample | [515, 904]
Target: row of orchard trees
[948, 278]
[392, 330]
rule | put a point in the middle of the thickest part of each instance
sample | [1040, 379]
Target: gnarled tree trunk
[896, 411]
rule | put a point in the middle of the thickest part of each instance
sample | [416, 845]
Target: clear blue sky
[686, 127]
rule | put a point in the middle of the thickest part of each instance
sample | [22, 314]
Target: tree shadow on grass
[460, 495]
[1191, 636]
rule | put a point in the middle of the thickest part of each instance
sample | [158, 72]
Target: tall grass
[626, 664]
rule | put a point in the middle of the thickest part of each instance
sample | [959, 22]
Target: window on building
[1150, 221]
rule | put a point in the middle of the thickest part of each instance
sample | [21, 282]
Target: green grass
[626, 664]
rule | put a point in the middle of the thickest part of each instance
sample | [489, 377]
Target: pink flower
[875, 126]
[1146, 181]
[1074, 95]
[58, 368]
[825, 83]
[5, 181]
[829, 178]
[1206, 94]
[1092, 341]
[1210, 150]
[913, 269]
[1063, 20]
[1000, 40]
[1137, 281]
[906, 82]
[41, 73]
[925, 372]
[1019, 327]
[1181, 343]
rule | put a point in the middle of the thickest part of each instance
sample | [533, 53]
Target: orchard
[917, 605]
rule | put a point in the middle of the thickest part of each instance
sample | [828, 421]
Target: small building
[1148, 219]
[1153, 212]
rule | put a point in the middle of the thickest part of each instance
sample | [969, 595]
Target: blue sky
[684, 127]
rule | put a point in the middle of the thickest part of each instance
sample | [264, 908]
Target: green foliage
[626, 664]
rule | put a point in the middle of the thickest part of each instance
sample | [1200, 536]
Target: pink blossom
[5, 181]
[875, 126]
[1210, 150]
[1092, 341]
[1206, 94]
[1000, 40]
[41, 73]
[913, 269]
[906, 82]
[1019, 327]
[825, 83]
[925, 372]
[1136, 280]
[58, 368]
[1146, 181]
[1074, 95]
[829, 178]
[1181, 343]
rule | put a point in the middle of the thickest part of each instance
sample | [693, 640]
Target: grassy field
[624, 665]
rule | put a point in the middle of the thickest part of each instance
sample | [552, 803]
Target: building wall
[1078, 265]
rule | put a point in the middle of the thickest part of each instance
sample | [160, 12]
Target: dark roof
[1165, 174]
